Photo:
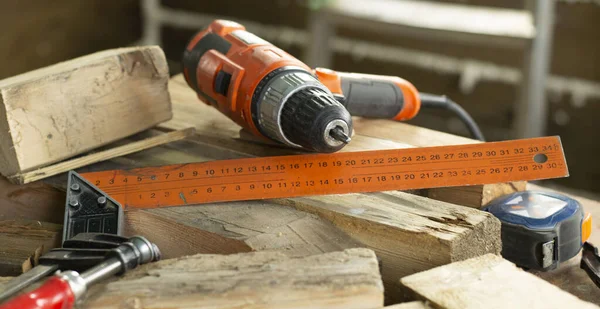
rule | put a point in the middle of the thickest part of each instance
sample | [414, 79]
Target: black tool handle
[590, 262]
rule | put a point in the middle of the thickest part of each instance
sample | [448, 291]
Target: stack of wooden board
[409, 233]
[336, 241]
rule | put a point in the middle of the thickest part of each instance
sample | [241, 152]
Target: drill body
[274, 95]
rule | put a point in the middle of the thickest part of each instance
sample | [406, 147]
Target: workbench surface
[44, 200]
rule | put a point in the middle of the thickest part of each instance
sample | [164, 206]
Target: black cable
[442, 102]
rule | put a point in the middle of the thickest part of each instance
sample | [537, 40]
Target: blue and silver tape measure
[540, 229]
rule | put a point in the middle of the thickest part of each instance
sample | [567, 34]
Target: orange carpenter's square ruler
[316, 174]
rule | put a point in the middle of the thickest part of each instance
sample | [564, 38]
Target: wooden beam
[33, 201]
[176, 239]
[488, 281]
[104, 155]
[241, 226]
[409, 233]
[23, 242]
[348, 279]
[72, 107]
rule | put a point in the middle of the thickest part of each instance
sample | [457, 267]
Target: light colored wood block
[57, 112]
[490, 282]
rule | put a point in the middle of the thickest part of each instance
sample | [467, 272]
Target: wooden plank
[23, 242]
[474, 196]
[66, 109]
[409, 233]
[33, 201]
[488, 281]
[176, 239]
[240, 226]
[92, 158]
[348, 279]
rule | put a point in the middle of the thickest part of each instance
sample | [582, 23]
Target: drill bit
[338, 134]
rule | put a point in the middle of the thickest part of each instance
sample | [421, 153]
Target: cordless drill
[274, 95]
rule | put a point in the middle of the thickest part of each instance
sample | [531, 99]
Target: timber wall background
[39, 33]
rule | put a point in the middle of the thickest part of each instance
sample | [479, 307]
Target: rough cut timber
[22, 242]
[56, 112]
[341, 280]
[235, 227]
[409, 233]
[487, 282]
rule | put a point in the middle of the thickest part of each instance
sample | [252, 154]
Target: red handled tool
[67, 288]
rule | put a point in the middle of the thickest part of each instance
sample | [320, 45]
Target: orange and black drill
[274, 95]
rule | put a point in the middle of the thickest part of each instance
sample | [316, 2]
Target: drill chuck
[313, 119]
[291, 106]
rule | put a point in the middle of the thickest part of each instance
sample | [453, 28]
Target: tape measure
[540, 230]
[337, 173]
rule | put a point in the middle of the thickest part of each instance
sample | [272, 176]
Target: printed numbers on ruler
[289, 176]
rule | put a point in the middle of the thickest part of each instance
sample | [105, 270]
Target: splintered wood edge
[344, 279]
[44, 172]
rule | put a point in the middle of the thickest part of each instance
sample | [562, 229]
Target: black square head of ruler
[89, 210]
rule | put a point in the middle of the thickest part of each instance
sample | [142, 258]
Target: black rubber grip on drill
[307, 113]
[191, 58]
[371, 98]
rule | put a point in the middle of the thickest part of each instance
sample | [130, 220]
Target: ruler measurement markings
[369, 165]
[334, 173]
[202, 178]
[316, 183]
[196, 186]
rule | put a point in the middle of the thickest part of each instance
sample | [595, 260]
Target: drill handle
[373, 96]
[55, 293]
